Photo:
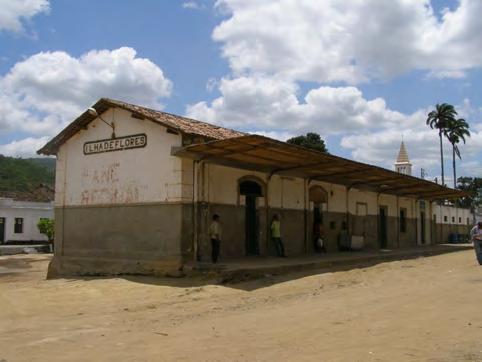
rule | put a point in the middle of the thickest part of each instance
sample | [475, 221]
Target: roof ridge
[116, 101]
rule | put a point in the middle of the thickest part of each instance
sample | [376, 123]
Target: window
[453, 218]
[18, 228]
[403, 220]
[445, 218]
[460, 220]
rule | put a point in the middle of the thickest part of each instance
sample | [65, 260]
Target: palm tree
[456, 130]
[439, 119]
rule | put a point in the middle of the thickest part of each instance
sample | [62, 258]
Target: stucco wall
[449, 220]
[140, 175]
[31, 212]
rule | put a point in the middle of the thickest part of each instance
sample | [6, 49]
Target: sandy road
[425, 309]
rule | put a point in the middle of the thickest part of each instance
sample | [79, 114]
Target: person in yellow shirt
[215, 236]
[276, 236]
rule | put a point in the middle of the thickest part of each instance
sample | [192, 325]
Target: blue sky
[360, 74]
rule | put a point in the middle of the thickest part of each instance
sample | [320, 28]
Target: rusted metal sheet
[260, 153]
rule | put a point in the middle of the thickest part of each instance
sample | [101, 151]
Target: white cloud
[41, 94]
[13, 13]
[351, 40]
[443, 74]
[192, 5]
[422, 143]
[23, 148]
[274, 45]
[267, 104]
[369, 128]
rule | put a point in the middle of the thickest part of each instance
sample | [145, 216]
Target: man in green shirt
[276, 236]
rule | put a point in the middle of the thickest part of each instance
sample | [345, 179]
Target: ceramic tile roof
[183, 124]
[177, 123]
[41, 193]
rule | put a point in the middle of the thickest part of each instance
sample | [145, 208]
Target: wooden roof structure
[259, 153]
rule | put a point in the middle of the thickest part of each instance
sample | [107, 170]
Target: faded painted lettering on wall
[115, 144]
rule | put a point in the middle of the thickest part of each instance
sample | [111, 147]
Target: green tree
[456, 130]
[473, 187]
[310, 140]
[439, 119]
[47, 227]
[18, 174]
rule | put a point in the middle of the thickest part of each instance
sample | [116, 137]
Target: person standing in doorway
[476, 236]
[215, 235]
[276, 236]
[319, 238]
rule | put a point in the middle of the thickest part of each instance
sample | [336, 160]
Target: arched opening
[319, 197]
[251, 189]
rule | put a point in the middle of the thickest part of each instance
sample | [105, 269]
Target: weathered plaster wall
[123, 209]
[142, 232]
[288, 197]
[140, 175]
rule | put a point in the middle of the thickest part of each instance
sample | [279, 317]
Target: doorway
[422, 227]
[319, 197]
[2, 230]
[382, 227]
[251, 190]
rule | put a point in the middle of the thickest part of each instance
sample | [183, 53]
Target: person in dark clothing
[318, 238]
[215, 236]
[476, 236]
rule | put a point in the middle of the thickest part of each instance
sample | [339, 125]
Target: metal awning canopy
[258, 153]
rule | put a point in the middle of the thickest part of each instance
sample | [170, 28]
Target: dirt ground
[425, 309]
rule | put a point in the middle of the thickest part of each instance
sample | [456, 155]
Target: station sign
[116, 144]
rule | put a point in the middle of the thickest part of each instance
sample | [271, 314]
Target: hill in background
[26, 174]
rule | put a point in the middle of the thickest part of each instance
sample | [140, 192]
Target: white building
[136, 190]
[447, 219]
[20, 213]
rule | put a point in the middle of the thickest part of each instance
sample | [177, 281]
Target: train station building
[136, 190]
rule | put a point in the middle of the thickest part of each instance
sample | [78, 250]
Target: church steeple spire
[402, 154]
[403, 165]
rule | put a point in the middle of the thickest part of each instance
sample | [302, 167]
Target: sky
[361, 73]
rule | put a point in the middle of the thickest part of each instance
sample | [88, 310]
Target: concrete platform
[251, 267]
[24, 249]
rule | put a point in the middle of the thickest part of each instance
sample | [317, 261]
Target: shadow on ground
[257, 278]
[10, 265]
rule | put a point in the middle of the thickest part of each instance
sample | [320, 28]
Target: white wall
[221, 186]
[31, 212]
[141, 175]
[450, 215]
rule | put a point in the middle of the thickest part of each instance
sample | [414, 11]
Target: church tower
[403, 165]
